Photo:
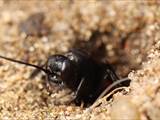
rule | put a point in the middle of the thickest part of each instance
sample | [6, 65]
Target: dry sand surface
[126, 33]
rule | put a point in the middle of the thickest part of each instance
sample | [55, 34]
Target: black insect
[78, 71]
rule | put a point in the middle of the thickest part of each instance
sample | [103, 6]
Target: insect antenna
[24, 63]
[114, 84]
[109, 88]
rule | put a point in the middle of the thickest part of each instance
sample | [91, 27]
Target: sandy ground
[129, 31]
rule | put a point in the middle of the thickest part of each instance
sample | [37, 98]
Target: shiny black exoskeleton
[79, 72]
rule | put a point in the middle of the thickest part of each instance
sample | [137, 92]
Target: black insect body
[79, 72]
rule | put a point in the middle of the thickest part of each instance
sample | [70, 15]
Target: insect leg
[113, 85]
[111, 72]
[81, 92]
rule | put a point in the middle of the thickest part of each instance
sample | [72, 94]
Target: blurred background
[120, 32]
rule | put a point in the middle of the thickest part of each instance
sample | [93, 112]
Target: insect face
[60, 69]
